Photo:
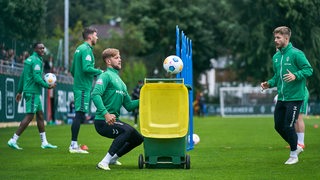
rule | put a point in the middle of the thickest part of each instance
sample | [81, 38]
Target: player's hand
[289, 77]
[264, 85]
[52, 86]
[98, 74]
[18, 97]
[110, 118]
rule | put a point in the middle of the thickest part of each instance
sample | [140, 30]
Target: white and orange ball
[195, 138]
[50, 78]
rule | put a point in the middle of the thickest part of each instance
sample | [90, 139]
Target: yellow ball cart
[164, 116]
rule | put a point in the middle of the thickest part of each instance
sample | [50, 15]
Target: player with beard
[109, 95]
[291, 68]
[83, 72]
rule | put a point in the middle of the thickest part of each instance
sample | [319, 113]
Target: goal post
[244, 101]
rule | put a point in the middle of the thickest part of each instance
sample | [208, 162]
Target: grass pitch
[230, 148]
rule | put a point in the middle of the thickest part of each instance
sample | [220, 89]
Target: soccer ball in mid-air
[196, 139]
[50, 78]
[173, 64]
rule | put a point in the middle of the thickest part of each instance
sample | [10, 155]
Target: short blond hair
[283, 30]
[109, 52]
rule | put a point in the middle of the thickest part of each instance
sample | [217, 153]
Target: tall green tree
[23, 20]
[132, 72]
[305, 16]
[248, 33]
[247, 27]
[240, 28]
[157, 20]
[86, 11]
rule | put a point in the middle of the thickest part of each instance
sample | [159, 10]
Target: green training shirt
[82, 68]
[31, 78]
[294, 60]
[110, 94]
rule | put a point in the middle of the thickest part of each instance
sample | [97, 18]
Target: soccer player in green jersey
[83, 72]
[31, 84]
[291, 68]
[109, 95]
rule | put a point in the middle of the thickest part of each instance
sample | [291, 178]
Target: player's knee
[129, 130]
[29, 117]
[80, 116]
[140, 140]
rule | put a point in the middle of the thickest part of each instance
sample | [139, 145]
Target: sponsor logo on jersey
[88, 58]
[120, 92]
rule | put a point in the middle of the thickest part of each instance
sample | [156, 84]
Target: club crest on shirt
[99, 81]
[37, 67]
[88, 58]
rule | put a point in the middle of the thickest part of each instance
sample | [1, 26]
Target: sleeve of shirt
[21, 81]
[87, 64]
[97, 93]
[72, 68]
[305, 69]
[37, 75]
[130, 104]
[273, 81]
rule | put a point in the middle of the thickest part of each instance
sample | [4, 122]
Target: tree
[305, 18]
[132, 72]
[249, 34]
[238, 28]
[23, 20]
[130, 41]
[157, 20]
